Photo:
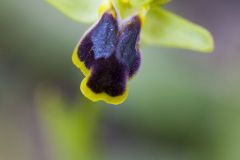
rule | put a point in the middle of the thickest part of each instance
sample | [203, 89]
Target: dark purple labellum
[111, 54]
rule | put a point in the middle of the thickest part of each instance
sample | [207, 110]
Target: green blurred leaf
[70, 127]
[167, 29]
[79, 10]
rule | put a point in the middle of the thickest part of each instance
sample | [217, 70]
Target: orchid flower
[109, 55]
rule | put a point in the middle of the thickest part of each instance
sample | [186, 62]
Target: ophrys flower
[108, 55]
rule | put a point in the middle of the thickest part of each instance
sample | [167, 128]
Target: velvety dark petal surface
[127, 51]
[100, 41]
[104, 37]
[109, 76]
[110, 56]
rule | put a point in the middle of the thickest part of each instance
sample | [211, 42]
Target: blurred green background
[183, 105]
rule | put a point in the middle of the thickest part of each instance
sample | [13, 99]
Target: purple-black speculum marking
[111, 52]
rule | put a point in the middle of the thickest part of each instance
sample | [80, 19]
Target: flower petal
[98, 42]
[141, 3]
[167, 29]
[109, 74]
[78, 10]
[107, 82]
[127, 51]
[106, 78]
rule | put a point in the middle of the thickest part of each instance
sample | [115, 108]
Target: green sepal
[84, 11]
[163, 28]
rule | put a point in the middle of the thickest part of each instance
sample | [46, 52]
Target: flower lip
[100, 41]
[111, 55]
[109, 76]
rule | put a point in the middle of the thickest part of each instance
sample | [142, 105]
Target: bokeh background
[183, 105]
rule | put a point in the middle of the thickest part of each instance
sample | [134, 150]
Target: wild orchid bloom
[108, 54]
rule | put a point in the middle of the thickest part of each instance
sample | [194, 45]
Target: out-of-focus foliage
[161, 27]
[71, 127]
